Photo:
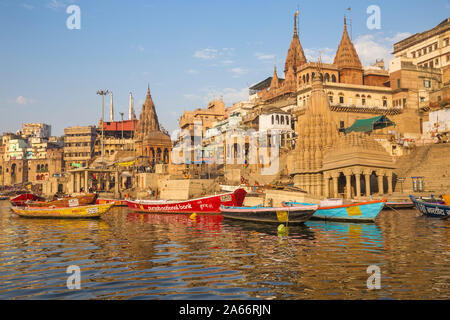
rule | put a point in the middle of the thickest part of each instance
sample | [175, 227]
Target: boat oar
[393, 208]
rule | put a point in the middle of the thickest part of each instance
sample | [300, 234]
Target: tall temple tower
[151, 142]
[347, 60]
[295, 56]
[316, 132]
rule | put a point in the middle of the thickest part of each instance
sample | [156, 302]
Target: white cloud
[398, 37]
[371, 47]
[22, 100]
[262, 56]
[238, 72]
[27, 6]
[208, 53]
[326, 54]
[192, 71]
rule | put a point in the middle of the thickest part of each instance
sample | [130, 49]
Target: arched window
[333, 78]
[282, 120]
[287, 120]
[46, 167]
[384, 101]
[341, 97]
[278, 119]
[313, 75]
[327, 77]
[272, 119]
[304, 79]
[38, 168]
[307, 78]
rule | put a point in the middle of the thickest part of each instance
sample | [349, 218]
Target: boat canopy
[370, 124]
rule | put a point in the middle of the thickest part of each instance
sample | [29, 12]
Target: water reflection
[129, 255]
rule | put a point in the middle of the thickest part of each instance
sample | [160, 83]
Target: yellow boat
[92, 211]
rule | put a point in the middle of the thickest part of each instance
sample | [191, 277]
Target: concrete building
[79, 145]
[428, 49]
[38, 130]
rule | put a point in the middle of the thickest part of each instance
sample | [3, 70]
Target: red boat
[210, 204]
[19, 201]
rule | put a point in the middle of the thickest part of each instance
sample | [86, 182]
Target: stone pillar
[380, 175]
[116, 184]
[326, 184]
[389, 178]
[358, 185]
[348, 184]
[86, 178]
[357, 173]
[335, 176]
[367, 177]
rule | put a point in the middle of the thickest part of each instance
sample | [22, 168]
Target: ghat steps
[432, 162]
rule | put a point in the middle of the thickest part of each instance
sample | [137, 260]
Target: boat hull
[209, 204]
[399, 205]
[81, 200]
[19, 201]
[433, 210]
[92, 211]
[353, 212]
[292, 215]
[117, 203]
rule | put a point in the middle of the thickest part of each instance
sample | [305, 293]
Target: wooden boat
[80, 200]
[117, 203]
[399, 205]
[92, 211]
[19, 201]
[4, 197]
[210, 204]
[430, 209]
[292, 215]
[351, 212]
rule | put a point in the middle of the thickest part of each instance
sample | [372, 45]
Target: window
[331, 98]
[287, 120]
[413, 54]
[435, 46]
[272, 119]
[342, 124]
[448, 57]
[404, 102]
[384, 102]
[333, 78]
[341, 99]
[427, 84]
[431, 64]
[398, 83]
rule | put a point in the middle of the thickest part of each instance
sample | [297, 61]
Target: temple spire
[275, 81]
[346, 55]
[295, 56]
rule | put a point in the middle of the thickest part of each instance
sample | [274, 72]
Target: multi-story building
[38, 130]
[429, 49]
[215, 111]
[79, 145]
[117, 136]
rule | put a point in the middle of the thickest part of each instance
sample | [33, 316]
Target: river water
[128, 255]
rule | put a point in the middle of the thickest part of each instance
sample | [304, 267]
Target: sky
[189, 52]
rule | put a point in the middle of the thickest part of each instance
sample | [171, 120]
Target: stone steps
[430, 162]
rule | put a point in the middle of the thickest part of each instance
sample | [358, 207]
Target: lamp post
[103, 93]
[121, 115]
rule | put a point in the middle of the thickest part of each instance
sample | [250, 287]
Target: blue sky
[188, 51]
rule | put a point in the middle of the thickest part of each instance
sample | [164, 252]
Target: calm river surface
[127, 255]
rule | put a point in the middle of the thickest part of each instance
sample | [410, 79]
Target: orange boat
[81, 200]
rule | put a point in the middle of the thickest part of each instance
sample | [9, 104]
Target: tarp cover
[368, 125]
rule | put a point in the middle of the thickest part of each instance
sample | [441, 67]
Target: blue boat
[431, 209]
[352, 212]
